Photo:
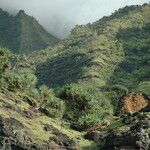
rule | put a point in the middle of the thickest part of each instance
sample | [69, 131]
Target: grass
[116, 124]
[113, 52]
[92, 53]
[35, 125]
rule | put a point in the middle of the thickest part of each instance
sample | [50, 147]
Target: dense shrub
[4, 60]
[24, 81]
[19, 80]
[53, 106]
[84, 107]
[34, 93]
[144, 88]
[115, 93]
[11, 76]
[119, 89]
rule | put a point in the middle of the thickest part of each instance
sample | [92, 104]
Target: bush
[84, 106]
[116, 92]
[144, 88]
[4, 59]
[21, 80]
[34, 93]
[119, 89]
[54, 106]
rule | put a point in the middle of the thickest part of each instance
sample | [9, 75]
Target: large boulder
[133, 103]
[134, 134]
[16, 136]
[13, 135]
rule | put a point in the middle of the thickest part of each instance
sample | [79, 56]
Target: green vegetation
[81, 80]
[144, 87]
[135, 67]
[4, 57]
[85, 108]
[54, 106]
[24, 81]
[23, 34]
[110, 55]
[18, 80]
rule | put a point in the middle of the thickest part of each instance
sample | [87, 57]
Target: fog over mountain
[59, 16]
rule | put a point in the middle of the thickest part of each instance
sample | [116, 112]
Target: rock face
[134, 103]
[133, 135]
[60, 138]
[15, 136]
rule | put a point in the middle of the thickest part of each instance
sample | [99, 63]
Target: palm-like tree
[45, 94]
[4, 59]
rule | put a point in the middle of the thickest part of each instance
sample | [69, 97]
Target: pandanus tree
[45, 94]
[16, 60]
[4, 60]
[50, 104]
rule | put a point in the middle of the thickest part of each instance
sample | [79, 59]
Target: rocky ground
[131, 131]
[133, 134]
[23, 127]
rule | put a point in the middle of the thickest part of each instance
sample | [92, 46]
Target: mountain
[113, 50]
[23, 34]
[99, 64]
[90, 91]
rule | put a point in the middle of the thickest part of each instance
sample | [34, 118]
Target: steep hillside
[30, 117]
[107, 59]
[23, 34]
[23, 127]
[135, 66]
[96, 81]
[96, 53]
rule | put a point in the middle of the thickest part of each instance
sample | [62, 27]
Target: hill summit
[23, 34]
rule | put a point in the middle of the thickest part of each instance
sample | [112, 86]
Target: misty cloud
[59, 16]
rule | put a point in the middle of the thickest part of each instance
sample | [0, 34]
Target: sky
[60, 16]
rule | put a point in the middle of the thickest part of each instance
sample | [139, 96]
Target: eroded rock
[61, 139]
[132, 135]
[15, 136]
[133, 103]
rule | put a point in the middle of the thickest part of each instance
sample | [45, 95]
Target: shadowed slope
[23, 34]
[101, 43]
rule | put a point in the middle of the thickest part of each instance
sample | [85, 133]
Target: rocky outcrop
[15, 136]
[133, 103]
[133, 135]
[60, 138]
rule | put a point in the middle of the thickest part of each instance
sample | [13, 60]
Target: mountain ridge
[87, 42]
[23, 34]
